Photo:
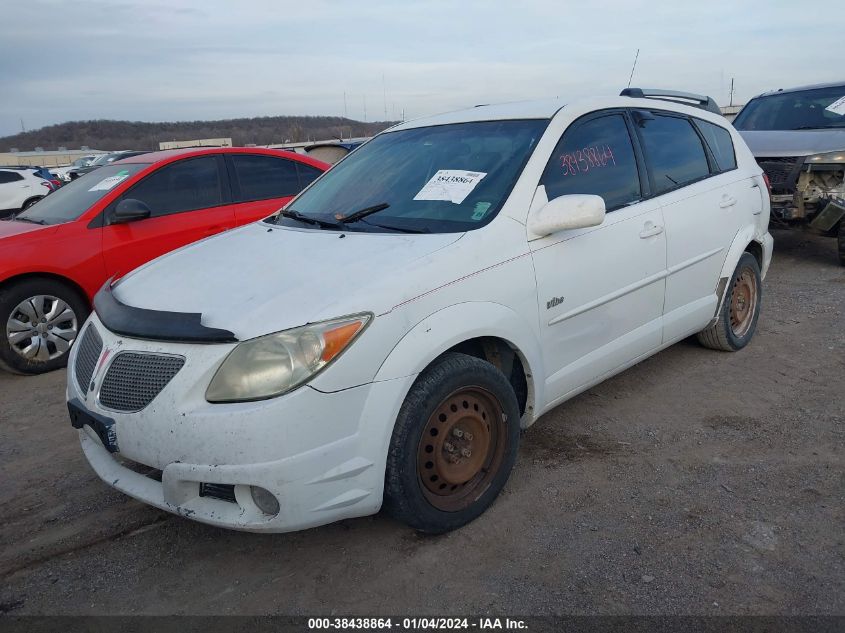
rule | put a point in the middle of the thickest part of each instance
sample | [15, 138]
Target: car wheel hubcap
[41, 328]
[743, 302]
[461, 448]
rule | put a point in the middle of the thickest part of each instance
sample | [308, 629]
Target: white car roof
[544, 109]
[547, 108]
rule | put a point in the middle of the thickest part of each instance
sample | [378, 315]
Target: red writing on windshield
[583, 160]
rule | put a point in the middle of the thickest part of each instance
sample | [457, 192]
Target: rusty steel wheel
[461, 448]
[453, 446]
[743, 302]
[736, 321]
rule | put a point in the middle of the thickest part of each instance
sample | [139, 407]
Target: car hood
[774, 143]
[259, 279]
[12, 228]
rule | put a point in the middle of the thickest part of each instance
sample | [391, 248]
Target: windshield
[103, 159]
[441, 179]
[802, 110]
[69, 202]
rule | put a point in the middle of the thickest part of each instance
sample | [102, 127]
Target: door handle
[727, 201]
[650, 230]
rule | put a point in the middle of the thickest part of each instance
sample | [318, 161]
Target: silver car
[797, 136]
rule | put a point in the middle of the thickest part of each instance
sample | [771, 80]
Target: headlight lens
[271, 365]
[826, 158]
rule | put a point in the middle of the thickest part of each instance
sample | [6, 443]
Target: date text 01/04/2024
[417, 624]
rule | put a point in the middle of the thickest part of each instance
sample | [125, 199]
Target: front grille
[782, 171]
[224, 492]
[90, 347]
[134, 379]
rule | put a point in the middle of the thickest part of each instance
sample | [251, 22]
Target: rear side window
[263, 177]
[720, 143]
[674, 152]
[595, 157]
[9, 176]
[183, 186]
[307, 174]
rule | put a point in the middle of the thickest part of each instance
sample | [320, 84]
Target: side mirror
[129, 210]
[575, 211]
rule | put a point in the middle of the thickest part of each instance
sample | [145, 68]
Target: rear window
[9, 176]
[263, 177]
[720, 143]
[674, 152]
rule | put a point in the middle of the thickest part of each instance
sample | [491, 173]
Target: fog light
[265, 500]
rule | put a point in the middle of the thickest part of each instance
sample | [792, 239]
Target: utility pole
[384, 89]
[345, 113]
[732, 91]
[23, 129]
[365, 108]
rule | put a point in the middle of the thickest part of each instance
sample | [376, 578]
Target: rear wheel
[30, 202]
[454, 444]
[737, 319]
[40, 319]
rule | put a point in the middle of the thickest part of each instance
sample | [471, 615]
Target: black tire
[469, 382]
[30, 202]
[840, 240]
[11, 296]
[725, 334]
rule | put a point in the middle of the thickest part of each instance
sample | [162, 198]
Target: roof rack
[684, 98]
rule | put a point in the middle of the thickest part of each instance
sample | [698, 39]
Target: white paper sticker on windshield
[450, 184]
[107, 183]
[837, 107]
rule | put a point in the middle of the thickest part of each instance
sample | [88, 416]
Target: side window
[183, 186]
[307, 174]
[720, 143]
[263, 177]
[9, 176]
[595, 157]
[673, 151]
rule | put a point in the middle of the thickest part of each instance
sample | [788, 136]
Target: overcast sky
[180, 60]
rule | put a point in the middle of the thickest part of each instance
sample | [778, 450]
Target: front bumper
[322, 455]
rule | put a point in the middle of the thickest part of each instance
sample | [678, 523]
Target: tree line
[114, 135]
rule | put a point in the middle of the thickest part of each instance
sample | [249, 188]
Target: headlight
[826, 158]
[271, 365]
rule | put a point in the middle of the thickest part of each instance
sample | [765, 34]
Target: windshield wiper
[362, 213]
[296, 215]
[399, 229]
[18, 218]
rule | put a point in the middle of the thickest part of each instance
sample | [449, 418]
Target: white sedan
[382, 340]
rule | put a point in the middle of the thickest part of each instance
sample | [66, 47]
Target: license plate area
[104, 427]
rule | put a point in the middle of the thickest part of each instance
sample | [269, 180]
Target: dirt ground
[697, 482]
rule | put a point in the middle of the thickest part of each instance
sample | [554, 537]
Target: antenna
[636, 57]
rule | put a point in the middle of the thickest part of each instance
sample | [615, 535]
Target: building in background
[200, 142]
[730, 111]
[46, 158]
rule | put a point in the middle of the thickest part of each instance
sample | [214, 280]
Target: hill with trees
[113, 135]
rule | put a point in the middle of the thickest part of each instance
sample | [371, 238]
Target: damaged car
[797, 136]
[385, 337]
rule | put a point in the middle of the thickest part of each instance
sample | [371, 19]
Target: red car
[55, 255]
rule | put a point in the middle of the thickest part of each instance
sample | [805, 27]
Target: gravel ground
[697, 482]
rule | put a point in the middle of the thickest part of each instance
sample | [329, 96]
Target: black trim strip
[155, 325]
